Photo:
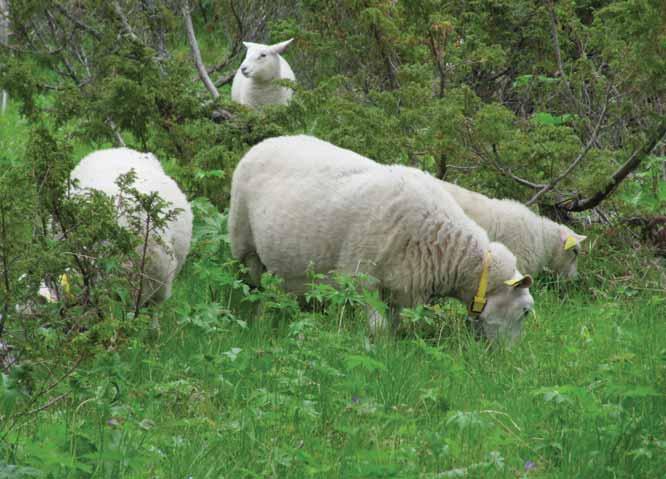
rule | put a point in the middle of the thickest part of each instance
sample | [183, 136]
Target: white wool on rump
[255, 84]
[300, 204]
[538, 243]
[100, 170]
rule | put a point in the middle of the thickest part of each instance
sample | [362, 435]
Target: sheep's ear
[281, 47]
[249, 45]
[579, 238]
[520, 281]
[570, 239]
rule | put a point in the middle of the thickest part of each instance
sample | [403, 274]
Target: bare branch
[507, 172]
[78, 22]
[439, 63]
[239, 22]
[630, 165]
[123, 19]
[558, 52]
[196, 53]
[116, 132]
[581, 156]
[53, 24]
[47, 405]
[228, 78]
[4, 38]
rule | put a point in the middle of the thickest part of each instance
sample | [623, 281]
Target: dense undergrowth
[226, 381]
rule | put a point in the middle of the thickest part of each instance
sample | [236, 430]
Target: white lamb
[255, 84]
[537, 242]
[99, 170]
[298, 203]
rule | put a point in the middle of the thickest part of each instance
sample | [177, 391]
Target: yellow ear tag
[570, 243]
[513, 282]
[66, 286]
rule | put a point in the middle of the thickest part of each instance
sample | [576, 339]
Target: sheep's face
[565, 255]
[508, 298]
[506, 308]
[262, 62]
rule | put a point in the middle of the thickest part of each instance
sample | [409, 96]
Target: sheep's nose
[529, 306]
[244, 70]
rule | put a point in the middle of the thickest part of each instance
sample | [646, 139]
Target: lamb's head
[502, 299]
[565, 252]
[262, 62]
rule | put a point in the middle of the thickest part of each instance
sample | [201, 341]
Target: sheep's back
[310, 201]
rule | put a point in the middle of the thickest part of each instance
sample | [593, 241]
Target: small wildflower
[529, 465]
[113, 422]
[355, 399]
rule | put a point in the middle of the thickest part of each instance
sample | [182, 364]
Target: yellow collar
[479, 301]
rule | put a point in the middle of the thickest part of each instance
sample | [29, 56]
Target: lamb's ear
[249, 45]
[281, 47]
[520, 281]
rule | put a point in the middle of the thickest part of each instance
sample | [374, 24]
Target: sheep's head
[498, 312]
[565, 254]
[262, 62]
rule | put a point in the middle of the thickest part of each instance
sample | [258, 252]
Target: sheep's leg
[255, 268]
[377, 323]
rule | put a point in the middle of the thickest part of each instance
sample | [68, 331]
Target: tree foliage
[515, 92]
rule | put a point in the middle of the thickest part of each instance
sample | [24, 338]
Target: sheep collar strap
[479, 302]
[569, 243]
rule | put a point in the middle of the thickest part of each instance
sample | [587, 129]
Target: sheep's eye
[263, 55]
[575, 251]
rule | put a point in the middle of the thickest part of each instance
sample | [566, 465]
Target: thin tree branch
[228, 78]
[506, 172]
[196, 53]
[77, 22]
[558, 52]
[581, 156]
[116, 132]
[47, 405]
[630, 165]
[123, 20]
[437, 55]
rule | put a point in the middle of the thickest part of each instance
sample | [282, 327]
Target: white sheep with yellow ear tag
[166, 248]
[300, 205]
[538, 242]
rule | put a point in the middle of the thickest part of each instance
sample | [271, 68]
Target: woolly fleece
[298, 203]
[99, 170]
[537, 242]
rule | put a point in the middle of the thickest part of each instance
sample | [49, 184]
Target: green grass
[218, 392]
[224, 388]
[13, 134]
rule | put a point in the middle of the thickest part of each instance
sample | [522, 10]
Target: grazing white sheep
[254, 84]
[297, 202]
[99, 170]
[537, 242]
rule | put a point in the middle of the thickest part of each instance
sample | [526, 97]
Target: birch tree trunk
[4, 38]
